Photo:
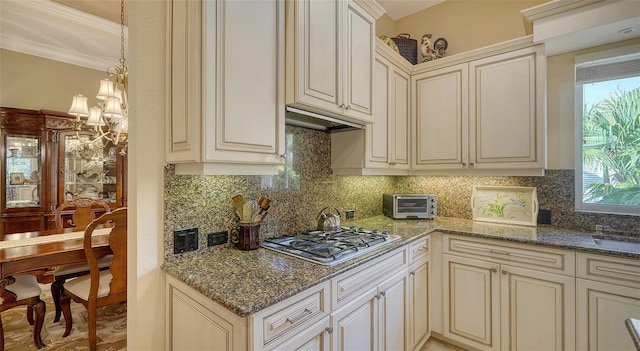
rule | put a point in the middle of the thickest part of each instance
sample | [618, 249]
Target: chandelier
[109, 120]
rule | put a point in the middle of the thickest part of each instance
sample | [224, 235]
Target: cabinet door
[248, 98]
[377, 134]
[418, 304]
[184, 120]
[394, 313]
[505, 115]
[355, 325]
[357, 61]
[440, 120]
[472, 302]
[601, 311]
[317, 49]
[399, 119]
[194, 320]
[91, 170]
[536, 304]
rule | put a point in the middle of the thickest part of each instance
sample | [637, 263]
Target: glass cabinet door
[90, 169]
[22, 171]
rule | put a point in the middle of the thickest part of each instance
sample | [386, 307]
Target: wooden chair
[101, 287]
[24, 291]
[83, 214]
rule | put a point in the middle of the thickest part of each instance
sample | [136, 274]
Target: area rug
[111, 326]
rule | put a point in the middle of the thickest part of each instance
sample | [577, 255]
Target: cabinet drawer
[295, 313]
[614, 270]
[520, 255]
[419, 249]
[352, 284]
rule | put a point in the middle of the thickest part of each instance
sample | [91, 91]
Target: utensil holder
[246, 236]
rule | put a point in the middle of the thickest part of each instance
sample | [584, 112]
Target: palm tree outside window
[608, 131]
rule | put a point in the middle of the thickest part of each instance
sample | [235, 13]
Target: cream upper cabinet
[482, 112]
[226, 86]
[608, 292]
[383, 147]
[505, 297]
[330, 55]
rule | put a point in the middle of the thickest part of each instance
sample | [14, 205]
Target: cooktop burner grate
[330, 248]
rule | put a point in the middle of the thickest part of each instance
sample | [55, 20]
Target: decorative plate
[505, 204]
[390, 43]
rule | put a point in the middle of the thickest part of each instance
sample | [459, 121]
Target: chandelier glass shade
[109, 120]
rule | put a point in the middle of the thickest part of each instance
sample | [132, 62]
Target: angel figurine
[425, 48]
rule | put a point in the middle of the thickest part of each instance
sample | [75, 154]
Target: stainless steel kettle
[328, 222]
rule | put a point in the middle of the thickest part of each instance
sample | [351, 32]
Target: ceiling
[397, 9]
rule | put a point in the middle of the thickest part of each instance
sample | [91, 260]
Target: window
[608, 131]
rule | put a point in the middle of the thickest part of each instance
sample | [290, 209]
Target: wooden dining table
[35, 256]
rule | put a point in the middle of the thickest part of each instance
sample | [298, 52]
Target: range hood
[312, 120]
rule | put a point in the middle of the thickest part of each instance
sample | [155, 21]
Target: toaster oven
[409, 206]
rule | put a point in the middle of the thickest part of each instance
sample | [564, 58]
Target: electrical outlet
[349, 213]
[185, 240]
[544, 217]
[217, 238]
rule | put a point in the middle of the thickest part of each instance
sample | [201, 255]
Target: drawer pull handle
[412, 273]
[383, 293]
[494, 270]
[378, 296]
[424, 248]
[500, 252]
[304, 313]
[329, 330]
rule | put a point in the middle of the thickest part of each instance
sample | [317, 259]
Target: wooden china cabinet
[44, 164]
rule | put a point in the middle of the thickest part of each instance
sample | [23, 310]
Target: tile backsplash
[305, 185]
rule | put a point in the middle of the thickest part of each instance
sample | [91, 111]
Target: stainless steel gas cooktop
[331, 248]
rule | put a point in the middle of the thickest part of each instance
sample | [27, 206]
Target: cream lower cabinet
[419, 299]
[506, 301]
[194, 321]
[225, 97]
[608, 292]
[383, 147]
[375, 320]
[480, 115]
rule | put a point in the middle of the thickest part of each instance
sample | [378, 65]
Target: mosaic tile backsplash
[305, 186]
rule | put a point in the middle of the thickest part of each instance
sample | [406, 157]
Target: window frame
[581, 206]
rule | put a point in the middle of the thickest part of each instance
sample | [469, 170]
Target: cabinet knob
[504, 272]
[383, 293]
[348, 107]
[412, 273]
[464, 163]
[472, 163]
[329, 330]
[341, 105]
[283, 155]
[494, 270]
[378, 296]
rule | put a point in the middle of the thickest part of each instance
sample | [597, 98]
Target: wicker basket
[408, 47]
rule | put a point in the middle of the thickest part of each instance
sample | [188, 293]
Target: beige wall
[385, 26]
[466, 24]
[33, 82]
[561, 106]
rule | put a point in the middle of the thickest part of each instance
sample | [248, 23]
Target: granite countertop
[633, 325]
[246, 282]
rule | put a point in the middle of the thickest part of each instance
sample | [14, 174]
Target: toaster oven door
[411, 205]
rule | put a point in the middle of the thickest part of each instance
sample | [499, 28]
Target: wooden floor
[438, 345]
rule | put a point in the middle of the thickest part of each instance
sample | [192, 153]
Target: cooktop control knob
[374, 231]
[385, 233]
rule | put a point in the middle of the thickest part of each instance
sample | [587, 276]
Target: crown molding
[57, 32]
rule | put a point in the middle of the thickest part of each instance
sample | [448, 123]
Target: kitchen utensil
[263, 204]
[238, 203]
[328, 222]
[248, 211]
